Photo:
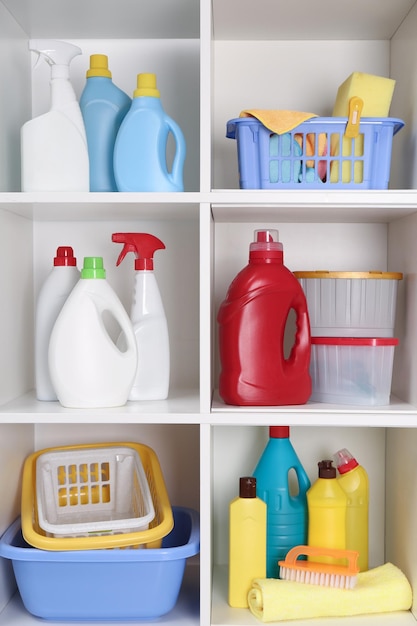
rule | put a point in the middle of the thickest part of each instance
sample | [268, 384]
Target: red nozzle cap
[279, 432]
[266, 246]
[143, 245]
[65, 256]
[345, 462]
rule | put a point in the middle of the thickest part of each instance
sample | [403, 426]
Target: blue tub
[91, 585]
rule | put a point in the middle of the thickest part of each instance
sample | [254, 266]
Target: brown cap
[326, 469]
[247, 487]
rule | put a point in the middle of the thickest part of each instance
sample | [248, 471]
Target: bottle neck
[147, 102]
[257, 257]
[62, 93]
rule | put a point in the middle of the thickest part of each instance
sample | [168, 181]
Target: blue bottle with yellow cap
[103, 107]
[140, 151]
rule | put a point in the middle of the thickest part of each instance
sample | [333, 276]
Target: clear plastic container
[352, 370]
[351, 304]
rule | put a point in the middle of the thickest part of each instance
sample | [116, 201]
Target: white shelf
[397, 414]
[181, 407]
[373, 19]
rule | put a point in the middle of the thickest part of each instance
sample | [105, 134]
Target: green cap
[93, 267]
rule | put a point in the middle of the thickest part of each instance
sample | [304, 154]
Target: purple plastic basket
[297, 160]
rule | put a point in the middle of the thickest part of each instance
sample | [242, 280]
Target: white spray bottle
[54, 145]
[148, 319]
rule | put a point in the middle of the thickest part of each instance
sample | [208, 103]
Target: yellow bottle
[354, 481]
[247, 542]
[327, 505]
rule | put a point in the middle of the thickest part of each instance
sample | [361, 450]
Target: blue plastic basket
[297, 160]
[91, 585]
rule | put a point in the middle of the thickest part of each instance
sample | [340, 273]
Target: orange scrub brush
[319, 573]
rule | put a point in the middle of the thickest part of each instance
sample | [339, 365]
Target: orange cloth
[282, 121]
[279, 121]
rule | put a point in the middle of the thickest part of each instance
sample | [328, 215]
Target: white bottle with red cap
[52, 296]
[148, 318]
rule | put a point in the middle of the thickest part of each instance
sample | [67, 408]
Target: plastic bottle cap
[99, 66]
[279, 432]
[247, 487]
[326, 469]
[345, 462]
[146, 86]
[93, 267]
[65, 257]
[266, 246]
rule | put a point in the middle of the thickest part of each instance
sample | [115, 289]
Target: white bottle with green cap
[88, 369]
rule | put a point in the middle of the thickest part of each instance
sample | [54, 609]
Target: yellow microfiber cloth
[279, 121]
[379, 590]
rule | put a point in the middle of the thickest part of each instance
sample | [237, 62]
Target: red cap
[266, 248]
[143, 245]
[65, 256]
[279, 432]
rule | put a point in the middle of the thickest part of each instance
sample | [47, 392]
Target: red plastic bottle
[252, 321]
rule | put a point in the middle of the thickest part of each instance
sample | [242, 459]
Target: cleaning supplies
[103, 106]
[247, 541]
[140, 152]
[52, 296]
[286, 502]
[375, 92]
[54, 145]
[310, 572]
[354, 481]
[327, 503]
[148, 318]
[88, 369]
[252, 327]
[383, 589]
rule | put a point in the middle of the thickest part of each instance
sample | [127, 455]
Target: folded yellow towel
[279, 121]
[379, 590]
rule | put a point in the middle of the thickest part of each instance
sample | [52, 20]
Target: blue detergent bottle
[287, 511]
[140, 153]
[103, 107]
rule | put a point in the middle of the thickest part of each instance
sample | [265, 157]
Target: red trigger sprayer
[148, 318]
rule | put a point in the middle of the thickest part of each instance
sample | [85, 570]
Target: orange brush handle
[350, 555]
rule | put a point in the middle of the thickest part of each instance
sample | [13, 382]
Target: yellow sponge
[375, 91]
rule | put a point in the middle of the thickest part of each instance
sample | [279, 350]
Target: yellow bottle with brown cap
[327, 505]
[247, 542]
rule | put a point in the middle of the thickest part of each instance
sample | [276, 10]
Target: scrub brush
[320, 573]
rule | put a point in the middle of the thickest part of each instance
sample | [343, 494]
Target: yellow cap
[99, 66]
[146, 86]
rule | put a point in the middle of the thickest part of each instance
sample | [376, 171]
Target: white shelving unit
[214, 59]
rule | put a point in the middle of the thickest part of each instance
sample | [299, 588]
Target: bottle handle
[303, 481]
[123, 345]
[302, 345]
[176, 174]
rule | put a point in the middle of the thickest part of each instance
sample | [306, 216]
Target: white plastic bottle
[148, 319]
[54, 145]
[52, 296]
[88, 369]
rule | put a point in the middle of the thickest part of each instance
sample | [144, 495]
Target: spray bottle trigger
[128, 247]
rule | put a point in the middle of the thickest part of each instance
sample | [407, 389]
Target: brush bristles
[311, 577]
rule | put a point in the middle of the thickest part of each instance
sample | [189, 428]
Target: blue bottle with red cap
[252, 324]
[286, 499]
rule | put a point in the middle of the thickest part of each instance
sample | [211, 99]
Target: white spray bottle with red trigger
[148, 318]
